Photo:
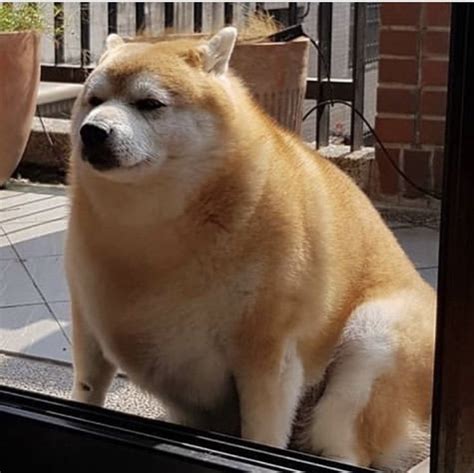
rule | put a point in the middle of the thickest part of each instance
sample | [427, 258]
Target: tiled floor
[34, 307]
[422, 245]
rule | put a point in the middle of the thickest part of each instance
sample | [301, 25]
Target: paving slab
[48, 274]
[421, 244]
[430, 275]
[16, 285]
[62, 313]
[33, 330]
[6, 250]
[37, 239]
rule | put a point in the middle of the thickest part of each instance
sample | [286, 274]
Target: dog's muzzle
[96, 146]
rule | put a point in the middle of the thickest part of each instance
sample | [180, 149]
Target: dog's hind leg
[93, 373]
[365, 352]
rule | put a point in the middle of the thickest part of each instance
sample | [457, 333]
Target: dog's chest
[190, 364]
[174, 342]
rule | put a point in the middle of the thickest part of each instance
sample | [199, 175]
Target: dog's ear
[112, 41]
[217, 51]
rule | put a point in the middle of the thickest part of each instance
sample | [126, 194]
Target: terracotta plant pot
[276, 74]
[19, 79]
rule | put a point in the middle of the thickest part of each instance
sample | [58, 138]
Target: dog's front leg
[93, 373]
[269, 383]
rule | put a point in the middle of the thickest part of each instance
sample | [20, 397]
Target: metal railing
[199, 17]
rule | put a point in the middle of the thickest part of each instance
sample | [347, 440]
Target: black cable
[296, 31]
[51, 143]
[45, 131]
[324, 103]
[306, 12]
[326, 66]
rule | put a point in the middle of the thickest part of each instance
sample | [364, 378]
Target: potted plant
[20, 27]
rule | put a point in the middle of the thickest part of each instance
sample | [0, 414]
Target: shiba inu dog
[230, 270]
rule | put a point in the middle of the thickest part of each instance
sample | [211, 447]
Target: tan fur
[241, 277]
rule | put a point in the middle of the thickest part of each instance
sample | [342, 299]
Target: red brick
[395, 130]
[432, 132]
[395, 100]
[438, 163]
[402, 71]
[433, 103]
[438, 14]
[399, 14]
[434, 72]
[416, 165]
[436, 42]
[401, 43]
[388, 177]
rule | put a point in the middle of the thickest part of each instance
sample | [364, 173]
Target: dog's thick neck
[202, 203]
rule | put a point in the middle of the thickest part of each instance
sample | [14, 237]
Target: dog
[231, 271]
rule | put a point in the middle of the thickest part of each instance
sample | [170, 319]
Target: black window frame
[48, 433]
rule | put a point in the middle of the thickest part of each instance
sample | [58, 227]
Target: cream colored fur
[227, 268]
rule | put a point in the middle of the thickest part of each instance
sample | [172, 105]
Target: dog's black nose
[94, 135]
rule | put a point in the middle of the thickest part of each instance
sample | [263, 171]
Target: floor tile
[48, 274]
[18, 200]
[32, 330]
[40, 210]
[16, 287]
[421, 244]
[6, 250]
[62, 311]
[430, 275]
[7, 196]
[37, 239]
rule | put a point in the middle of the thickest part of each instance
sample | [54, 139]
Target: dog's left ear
[112, 41]
[217, 51]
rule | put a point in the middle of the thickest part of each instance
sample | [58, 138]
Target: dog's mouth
[101, 160]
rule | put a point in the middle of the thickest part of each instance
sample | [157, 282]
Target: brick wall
[411, 94]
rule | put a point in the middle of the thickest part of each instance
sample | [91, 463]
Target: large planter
[19, 79]
[276, 74]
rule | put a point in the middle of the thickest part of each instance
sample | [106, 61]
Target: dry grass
[258, 26]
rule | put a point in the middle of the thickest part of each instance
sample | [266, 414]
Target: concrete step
[357, 164]
[55, 99]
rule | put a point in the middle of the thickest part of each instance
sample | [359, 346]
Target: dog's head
[150, 104]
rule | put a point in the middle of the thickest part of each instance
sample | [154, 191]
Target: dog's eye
[148, 104]
[95, 101]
